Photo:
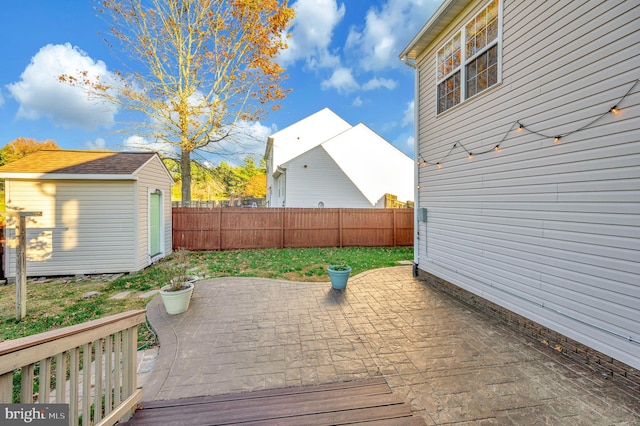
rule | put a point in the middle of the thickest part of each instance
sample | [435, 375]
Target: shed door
[155, 221]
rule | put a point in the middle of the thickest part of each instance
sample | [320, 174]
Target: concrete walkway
[451, 363]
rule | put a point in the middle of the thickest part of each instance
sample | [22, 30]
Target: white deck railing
[93, 366]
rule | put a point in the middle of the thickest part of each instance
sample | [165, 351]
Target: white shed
[102, 211]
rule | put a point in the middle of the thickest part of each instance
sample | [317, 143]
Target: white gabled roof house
[528, 140]
[322, 161]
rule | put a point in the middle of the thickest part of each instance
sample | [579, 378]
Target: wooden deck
[362, 402]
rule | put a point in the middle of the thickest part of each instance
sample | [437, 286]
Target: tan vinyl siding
[153, 175]
[86, 226]
[549, 231]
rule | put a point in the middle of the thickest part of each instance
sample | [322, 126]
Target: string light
[520, 127]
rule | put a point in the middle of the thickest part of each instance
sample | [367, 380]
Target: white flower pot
[176, 302]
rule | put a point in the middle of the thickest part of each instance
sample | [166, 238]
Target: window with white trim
[468, 62]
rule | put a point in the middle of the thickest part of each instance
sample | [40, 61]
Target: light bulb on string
[496, 148]
[439, 165]
[556, 139]
[614, 109]
[470, 155]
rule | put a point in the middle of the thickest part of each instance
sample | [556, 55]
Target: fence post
[340, 224]
[282, 225]
[395, 242]
[220, 229]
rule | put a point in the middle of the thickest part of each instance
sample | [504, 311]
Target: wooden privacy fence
[238, 228]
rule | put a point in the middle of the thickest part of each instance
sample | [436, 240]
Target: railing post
[44, 380]
[108, 368]
[86, 384]
[26, 385]
[74, 370]
[6, 388]
[97, 400]
[61, 379]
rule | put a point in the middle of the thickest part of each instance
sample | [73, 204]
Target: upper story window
[467, 63]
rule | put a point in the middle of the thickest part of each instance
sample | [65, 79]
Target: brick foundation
[583, 354]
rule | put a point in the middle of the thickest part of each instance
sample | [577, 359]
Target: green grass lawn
[59, 303]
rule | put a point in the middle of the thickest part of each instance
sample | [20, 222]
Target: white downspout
[416, 165]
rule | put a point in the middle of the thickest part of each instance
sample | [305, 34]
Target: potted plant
[339, 274]
[177, 294]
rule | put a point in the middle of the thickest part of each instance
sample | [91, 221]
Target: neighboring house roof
[441, 18]
[68, 164]
[373, 165]
[307, 133]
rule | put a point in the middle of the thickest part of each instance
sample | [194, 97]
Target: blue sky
[342, 55]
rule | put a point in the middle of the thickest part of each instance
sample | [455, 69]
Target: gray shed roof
[78, 164]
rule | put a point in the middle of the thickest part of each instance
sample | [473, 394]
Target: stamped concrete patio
[452, 364]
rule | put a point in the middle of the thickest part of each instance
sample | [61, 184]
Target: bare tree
[205, 68]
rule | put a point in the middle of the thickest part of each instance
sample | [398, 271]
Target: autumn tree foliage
[206, 67]
[256, 186]
[21, 147]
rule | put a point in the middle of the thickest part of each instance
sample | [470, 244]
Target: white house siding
[320, 181]
[86, 226]
[548, 230]
[153, 175]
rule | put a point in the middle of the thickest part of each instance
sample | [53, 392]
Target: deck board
[364, 402]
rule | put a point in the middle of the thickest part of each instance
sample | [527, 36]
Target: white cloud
[342, 80]
[376, 83]
[99, 144]
[139, 143]
[405, 142]
[41, 94]
[311, 33]
[357, 102]
[410, 142]
[408, 114]
[387, 30]
[249, 139]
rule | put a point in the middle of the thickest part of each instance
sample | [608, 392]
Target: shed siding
[152, 176]
[321, 180]
[86, 227]
[548, 230]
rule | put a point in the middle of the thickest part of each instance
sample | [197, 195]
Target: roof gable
[80, 163]
[307, 133]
